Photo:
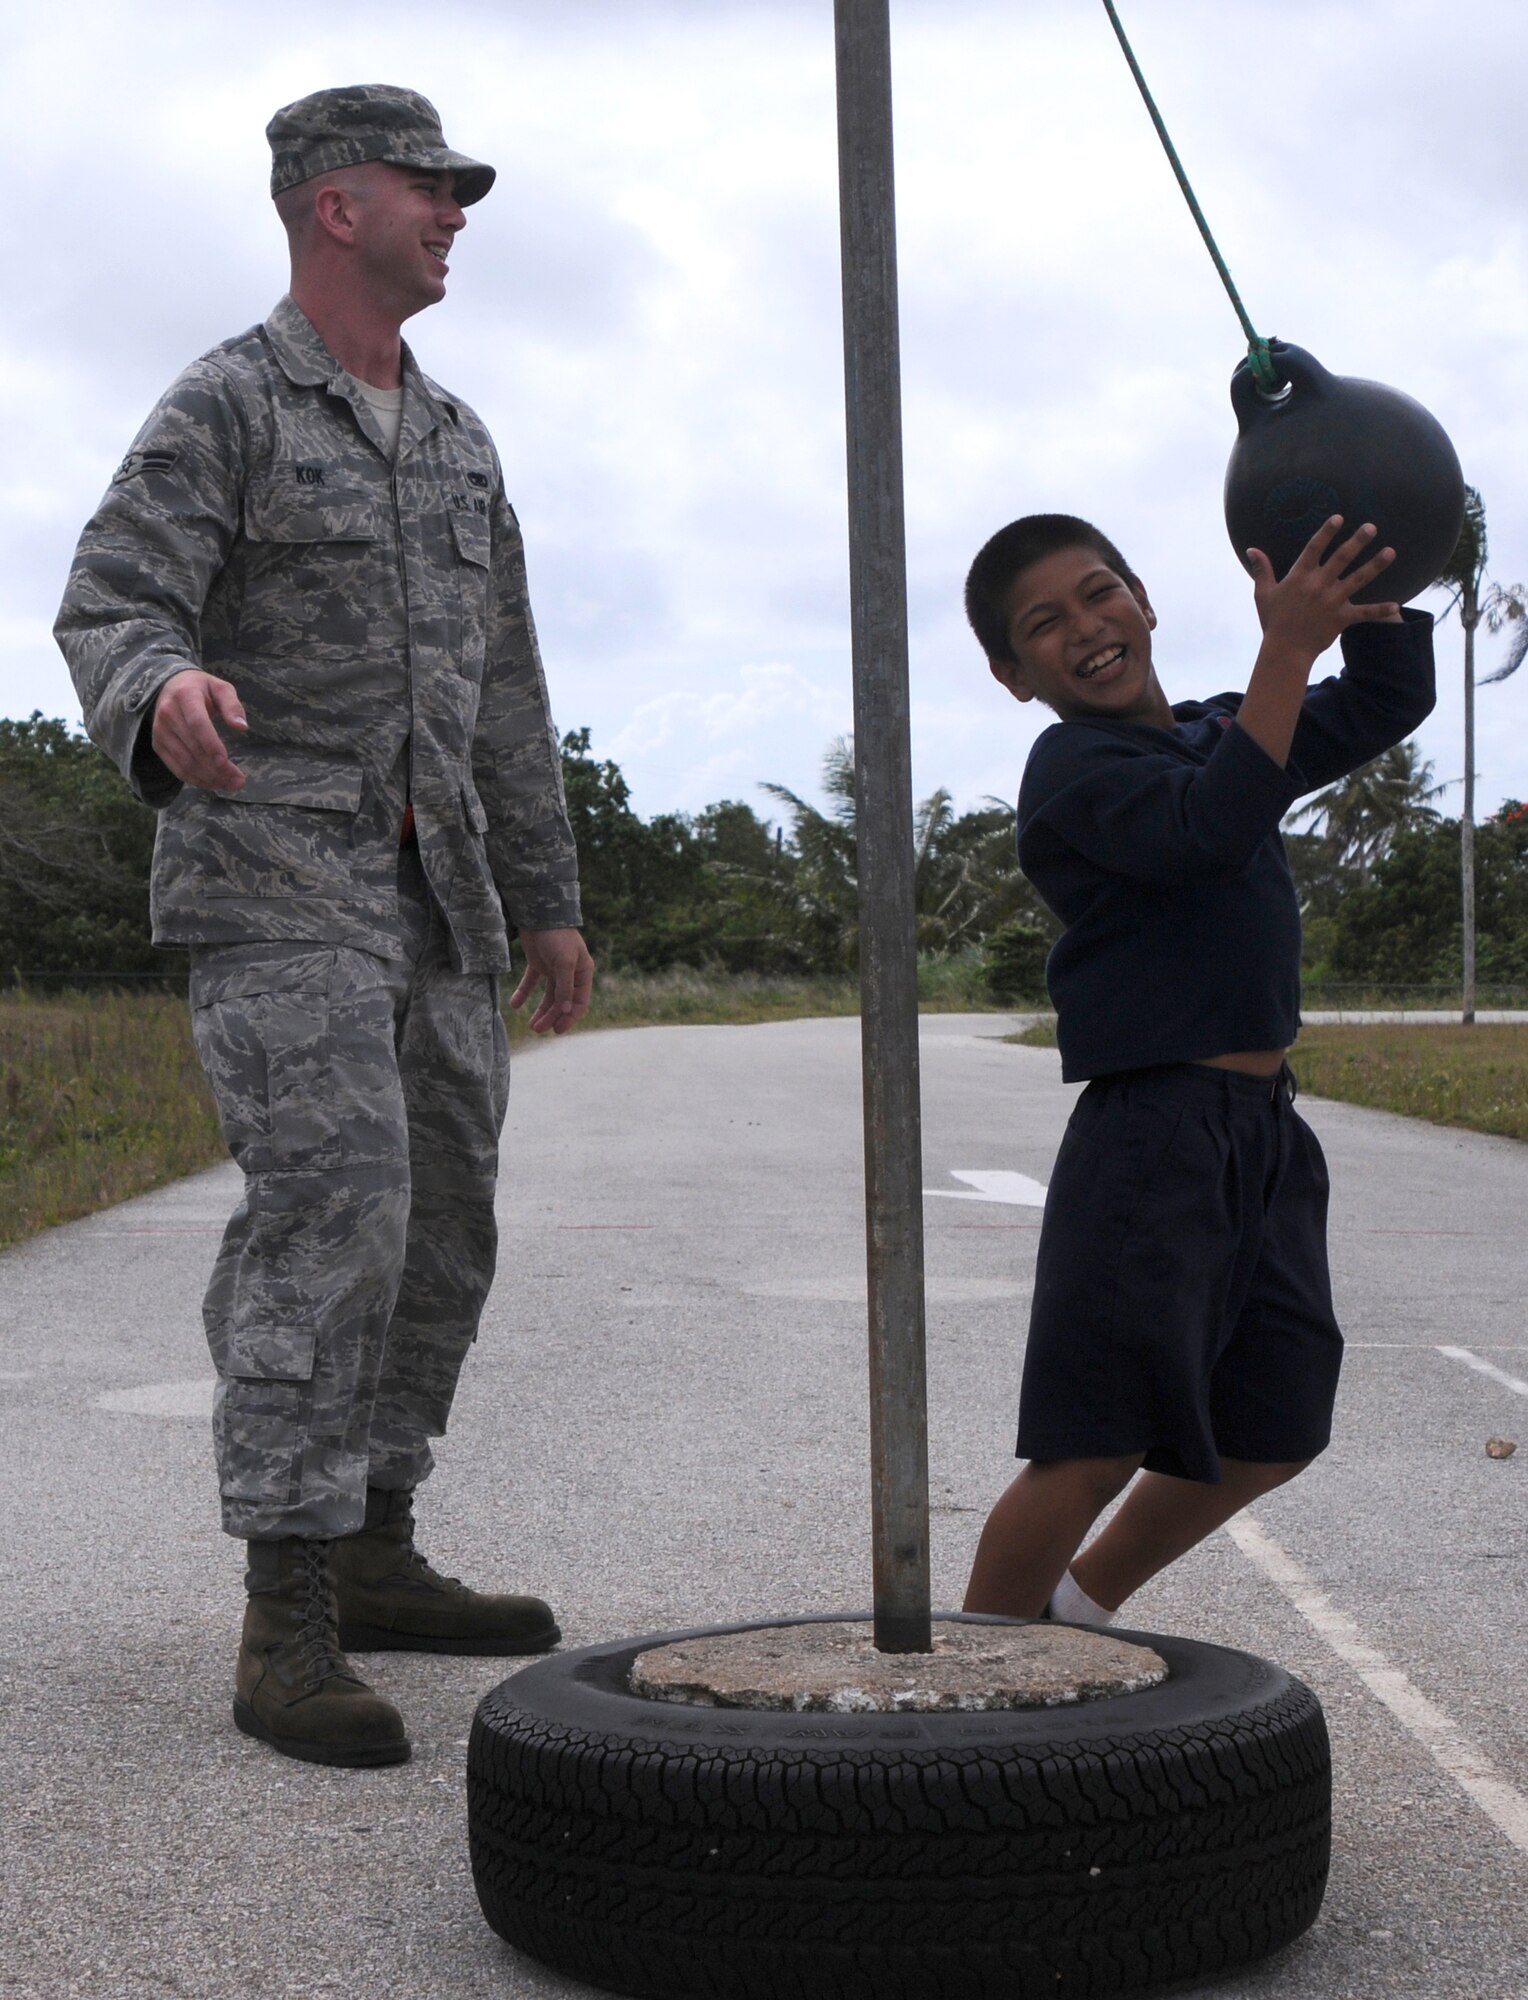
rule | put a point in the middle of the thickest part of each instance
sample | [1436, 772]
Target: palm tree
[966, 876]
[1496, 605]
[825, 883]
[966, 872]
[1362, 814]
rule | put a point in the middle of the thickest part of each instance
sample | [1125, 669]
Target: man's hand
[185, 736]
[1312, 604]
[559, 959]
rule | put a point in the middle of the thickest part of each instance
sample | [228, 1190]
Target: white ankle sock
[1071, 1604]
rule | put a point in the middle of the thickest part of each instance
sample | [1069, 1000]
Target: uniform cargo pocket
[240, 971]
[271, 1353]
[261, 1030]
[288, 832]
[261, 1412]
[259, 1430]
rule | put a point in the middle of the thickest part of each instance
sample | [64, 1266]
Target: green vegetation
[101, 1097]
[1405, 924]
[74, 861]
[966, 880]
[1370, 996]
[722, 890]
[1039, 1034]
[1495, 605]
[727, 892]
[1476, 1077]
[1015, 963]
[716, 917]
[685, 997]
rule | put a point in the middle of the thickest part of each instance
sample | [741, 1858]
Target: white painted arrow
[994, 1184]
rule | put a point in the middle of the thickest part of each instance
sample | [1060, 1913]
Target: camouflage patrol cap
[366, 121]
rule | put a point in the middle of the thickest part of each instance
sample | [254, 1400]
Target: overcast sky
[646, 311]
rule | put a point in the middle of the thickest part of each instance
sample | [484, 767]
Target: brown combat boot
[293, 1687]
[391, 1600]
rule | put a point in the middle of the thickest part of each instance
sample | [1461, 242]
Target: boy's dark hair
[1014, 549]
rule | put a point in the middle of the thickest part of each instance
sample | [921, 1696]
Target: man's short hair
[1011, 551]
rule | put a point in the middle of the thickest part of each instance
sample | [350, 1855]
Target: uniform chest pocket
[309, 561]
[472, 543]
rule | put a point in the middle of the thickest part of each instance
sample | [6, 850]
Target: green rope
[1259, 356]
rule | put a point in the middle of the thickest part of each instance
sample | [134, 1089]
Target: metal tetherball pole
[884, 820]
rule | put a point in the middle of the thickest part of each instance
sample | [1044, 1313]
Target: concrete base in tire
[832, 1666]
[684, 1850]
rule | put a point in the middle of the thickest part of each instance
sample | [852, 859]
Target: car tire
[1116, 1846]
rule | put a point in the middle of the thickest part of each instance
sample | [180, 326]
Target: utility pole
[884, 822]
[1469, 618]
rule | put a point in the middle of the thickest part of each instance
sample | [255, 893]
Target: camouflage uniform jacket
[372, 616]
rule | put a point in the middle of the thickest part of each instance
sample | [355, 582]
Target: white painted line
[1427, 1346]
[1439, 1735]
[1513, 1382]
[994, 1184]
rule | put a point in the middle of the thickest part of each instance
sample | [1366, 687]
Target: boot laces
[414, 1562]
[318, 1653]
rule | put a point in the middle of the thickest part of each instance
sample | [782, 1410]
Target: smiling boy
[1182, 1324]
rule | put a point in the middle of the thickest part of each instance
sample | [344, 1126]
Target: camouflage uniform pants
[363, 1097]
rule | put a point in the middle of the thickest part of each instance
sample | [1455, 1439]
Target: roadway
[663, 1425]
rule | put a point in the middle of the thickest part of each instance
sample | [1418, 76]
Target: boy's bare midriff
[1251, 1062]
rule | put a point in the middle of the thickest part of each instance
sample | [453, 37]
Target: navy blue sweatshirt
[1159, 850]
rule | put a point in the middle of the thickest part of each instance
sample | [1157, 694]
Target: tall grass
[1476, 1077]
[687, 996]
[1039, 1034]
[1321, 996]
[101, 1097]
[684, 997]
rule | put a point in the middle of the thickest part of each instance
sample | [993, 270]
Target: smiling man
[298, 623]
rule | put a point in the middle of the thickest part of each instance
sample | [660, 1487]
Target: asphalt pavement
[664, 1425]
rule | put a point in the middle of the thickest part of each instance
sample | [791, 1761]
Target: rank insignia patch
[143, 461]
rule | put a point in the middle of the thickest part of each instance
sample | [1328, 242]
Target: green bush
[1015, 963]
[74, 862]
[1404, 924]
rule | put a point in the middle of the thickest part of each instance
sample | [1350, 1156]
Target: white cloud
[759, 694]
[646, 311]
[760, 725]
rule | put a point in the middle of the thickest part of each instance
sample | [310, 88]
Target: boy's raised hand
[1312, 604]
[1302, 613]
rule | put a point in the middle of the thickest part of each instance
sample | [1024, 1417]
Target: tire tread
[1084, 1866]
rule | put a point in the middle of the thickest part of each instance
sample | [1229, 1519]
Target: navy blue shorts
[1182, 1304]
